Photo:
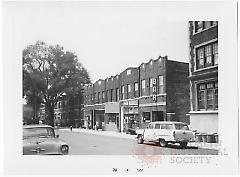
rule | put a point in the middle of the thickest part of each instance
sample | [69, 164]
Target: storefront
[111, 117]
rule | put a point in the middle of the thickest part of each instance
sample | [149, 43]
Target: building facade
[203, 75]
[154, 91]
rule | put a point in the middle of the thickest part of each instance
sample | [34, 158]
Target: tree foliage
[49, 72]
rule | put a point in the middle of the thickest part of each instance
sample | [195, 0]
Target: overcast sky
[106, 38]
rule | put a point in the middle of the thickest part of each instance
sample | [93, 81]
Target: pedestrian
[71, 128]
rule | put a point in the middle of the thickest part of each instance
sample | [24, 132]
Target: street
[89, 144]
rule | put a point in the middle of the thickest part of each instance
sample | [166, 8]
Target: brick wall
[177, 90]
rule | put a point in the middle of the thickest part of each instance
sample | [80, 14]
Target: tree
[49, 72]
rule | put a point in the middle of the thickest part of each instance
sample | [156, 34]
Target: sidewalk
[102, 133]
[203, 145]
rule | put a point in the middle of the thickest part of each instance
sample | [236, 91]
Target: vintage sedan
[42, 140]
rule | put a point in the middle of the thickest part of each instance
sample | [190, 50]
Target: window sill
[204, 112]
[207, 68]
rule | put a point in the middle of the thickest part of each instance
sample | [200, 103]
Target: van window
[181, 127]
[166, 126]
[150, 126]
[157, 126]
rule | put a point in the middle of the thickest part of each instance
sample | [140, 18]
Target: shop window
[146, 116]
[103, 97]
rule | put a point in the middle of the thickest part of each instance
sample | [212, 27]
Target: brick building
[154, 91]
[203, 75]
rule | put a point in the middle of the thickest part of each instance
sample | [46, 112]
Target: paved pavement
[203, 145]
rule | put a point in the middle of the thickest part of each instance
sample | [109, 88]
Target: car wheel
[162, 143]
[183, 144]
[140, 139]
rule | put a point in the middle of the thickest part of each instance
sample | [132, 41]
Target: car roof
[37, 126]
[169, 122]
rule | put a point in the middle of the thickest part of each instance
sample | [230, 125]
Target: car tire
[140, 139]
[162, 143]
[183, 144]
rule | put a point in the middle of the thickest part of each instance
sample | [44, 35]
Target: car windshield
[40, 132]
[181, 127]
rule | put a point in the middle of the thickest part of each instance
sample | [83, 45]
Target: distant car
[164, 132]
[42, 140]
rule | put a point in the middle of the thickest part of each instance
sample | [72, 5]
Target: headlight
[64, 149]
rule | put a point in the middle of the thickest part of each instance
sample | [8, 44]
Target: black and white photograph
[119, 88]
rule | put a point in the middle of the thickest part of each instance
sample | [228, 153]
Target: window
[128, 90]
[111, 95]
[198, 26]
[208, 53]
[215, 53]
[157, 126]
[166, 126]
[200, 58]
[117, 94]
[146, 116]
[123, 92]
[136, 89]
[143, 87]
[150, 126]
[181, 127]
[128, 72]
[207, 56]
[208, 96]
[202, 25]
[103, 97]
[99, 97]
[160, 81]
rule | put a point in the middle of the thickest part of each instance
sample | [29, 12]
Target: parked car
[164, 132]
[42, 140]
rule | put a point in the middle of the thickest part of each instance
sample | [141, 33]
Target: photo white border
[15, 163]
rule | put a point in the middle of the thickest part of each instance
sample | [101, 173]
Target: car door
[166, 131]
[156, 131]
[148, 133]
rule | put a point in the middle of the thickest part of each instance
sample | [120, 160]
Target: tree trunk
[50, 114]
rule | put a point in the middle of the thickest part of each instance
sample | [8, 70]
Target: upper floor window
[202, 25]
[128, 90]
[207, 56]
[123, 92]
[103, 97]
[117, 94]
[160, 84]
[143, 87]
[129, 72]
[136, 89]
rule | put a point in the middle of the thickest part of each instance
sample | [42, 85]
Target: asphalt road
[89, 144]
